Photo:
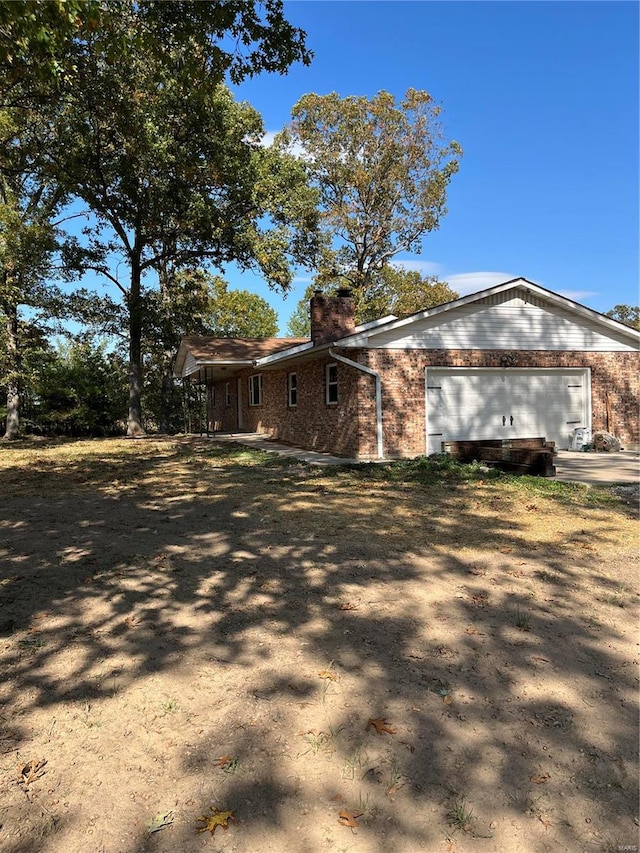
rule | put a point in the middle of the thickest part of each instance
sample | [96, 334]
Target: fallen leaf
[227, 762]
[347, 605]
[160, 821]
[506, 550]
[396, 786]
[381, 725]
[215, 819]
[31, 771]
[327, 673]
[446, 699]
[539, 778]
[349, 818]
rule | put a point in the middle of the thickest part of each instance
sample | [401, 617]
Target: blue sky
[543, 97]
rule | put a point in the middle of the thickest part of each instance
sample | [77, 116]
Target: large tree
[39, 38]
[391, 290]
[29, 240]
[382, 169]
[168, 163]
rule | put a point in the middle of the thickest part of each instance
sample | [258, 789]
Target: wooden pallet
[518, 455]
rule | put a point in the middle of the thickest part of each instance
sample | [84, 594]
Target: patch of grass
[231, 766]
[614, 600]
[170, 706]
[566, 493]
[317, 741]
[460, 816]
[353, 762]
[320, 741]
[426, 470]
[31, 644]
[522, 620]
[396, 777]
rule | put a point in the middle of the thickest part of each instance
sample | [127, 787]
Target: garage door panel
[465, 403]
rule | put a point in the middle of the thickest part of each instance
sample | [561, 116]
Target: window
[213, 395]
[227, 393]
[292, 389]
[255, 390]
[331, 383]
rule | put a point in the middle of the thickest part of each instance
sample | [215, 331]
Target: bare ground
[187, 626]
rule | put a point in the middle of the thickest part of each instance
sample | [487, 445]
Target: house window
[331, 383]
[292, 389]
[227, 393]
[255, 390]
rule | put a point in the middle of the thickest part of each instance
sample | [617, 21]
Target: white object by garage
[467, 403]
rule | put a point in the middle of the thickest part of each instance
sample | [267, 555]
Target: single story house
[512, 361]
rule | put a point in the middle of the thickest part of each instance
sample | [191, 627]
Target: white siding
[190, 365]
[505, 321]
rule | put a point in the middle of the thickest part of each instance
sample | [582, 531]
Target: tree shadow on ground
[230, 581]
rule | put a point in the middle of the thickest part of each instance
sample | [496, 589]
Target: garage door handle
[504, 420]
[511, 420]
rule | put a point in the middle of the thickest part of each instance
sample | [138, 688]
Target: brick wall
[331, 317]
[349, 429]
[312, 424]
[614, 389]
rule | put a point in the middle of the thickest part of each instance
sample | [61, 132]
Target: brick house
[515, 360]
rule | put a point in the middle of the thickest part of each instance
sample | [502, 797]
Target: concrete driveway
[598, 468]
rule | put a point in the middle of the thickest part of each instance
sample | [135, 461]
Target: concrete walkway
[589, 468]
[261, 442]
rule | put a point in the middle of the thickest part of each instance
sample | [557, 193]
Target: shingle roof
[236, 349]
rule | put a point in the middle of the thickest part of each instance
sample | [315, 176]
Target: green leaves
[41, 41]
[391, 290]
[381, 170]
[627, 314]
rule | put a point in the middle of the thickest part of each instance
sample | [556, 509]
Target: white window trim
[328, 384]
[291, 388]
[252, 400]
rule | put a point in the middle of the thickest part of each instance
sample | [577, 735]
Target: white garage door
[475, 403]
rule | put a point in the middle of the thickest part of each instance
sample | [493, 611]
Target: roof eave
[278, 358]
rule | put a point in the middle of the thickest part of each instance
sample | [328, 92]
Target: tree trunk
[134, 422]
[165, 399]
[12, 430]
[166, 276]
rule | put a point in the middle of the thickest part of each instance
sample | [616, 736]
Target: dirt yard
[380, 660]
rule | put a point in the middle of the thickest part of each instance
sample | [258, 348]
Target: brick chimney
[332, 317]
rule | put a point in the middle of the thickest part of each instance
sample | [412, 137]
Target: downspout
[376, 375]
